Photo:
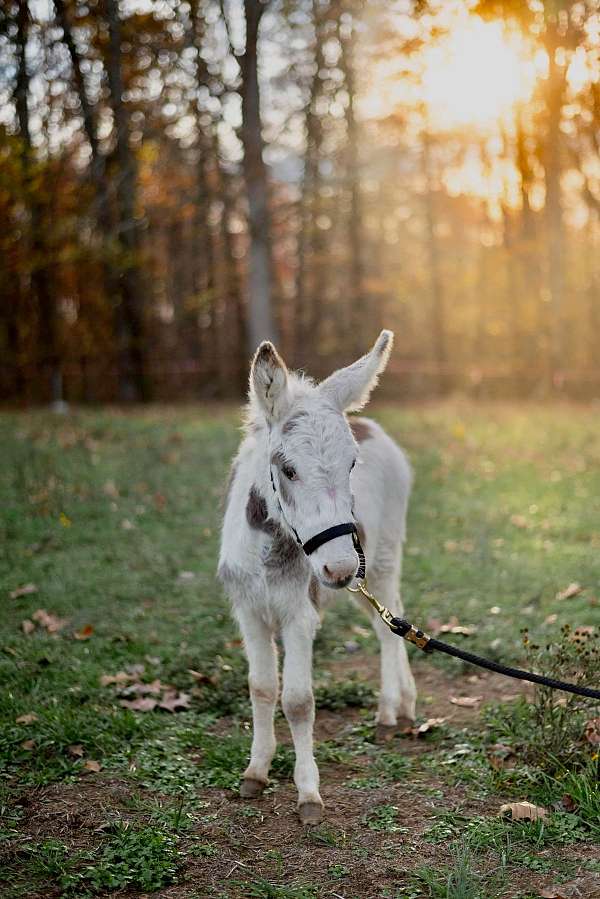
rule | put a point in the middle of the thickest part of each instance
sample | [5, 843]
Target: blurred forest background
[181, 178]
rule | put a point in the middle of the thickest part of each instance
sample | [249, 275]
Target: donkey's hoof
[251, 788]
[385, 733]
[310, 813]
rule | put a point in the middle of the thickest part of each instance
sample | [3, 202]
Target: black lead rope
[403, 628]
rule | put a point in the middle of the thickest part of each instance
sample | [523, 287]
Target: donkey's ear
[269, 381]
[349, 388]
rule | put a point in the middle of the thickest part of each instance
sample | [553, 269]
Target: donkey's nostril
[339, 575]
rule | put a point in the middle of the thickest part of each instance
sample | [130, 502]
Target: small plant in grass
[384, 818]
[338, 872]
[205, 850]
[342, 694]
[549, 731]
[144, 858]
[266, 889]
[326, 835]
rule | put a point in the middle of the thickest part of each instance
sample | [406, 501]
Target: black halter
[338, 530]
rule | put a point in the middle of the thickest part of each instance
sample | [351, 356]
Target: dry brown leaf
[587, 887]
[92, 765]
[569, 592]
[592, 731]
[501, 756]
[466, 702]
[420, 729]
[76, 750]
[141, 704]
[52, 623]
[85, 633]
[25, 590]
[173, 701]
[524, 811]
[435, 626]
[568, 803]
[154, 687]
[28, 745]
[29, 718]
[121, 677]
[27, 626]
[519, 521]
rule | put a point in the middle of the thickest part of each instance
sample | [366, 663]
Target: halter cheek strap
[338, 530]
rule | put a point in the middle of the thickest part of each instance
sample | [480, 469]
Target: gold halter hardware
[383, 612]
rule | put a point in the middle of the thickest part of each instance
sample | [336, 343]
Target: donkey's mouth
[339, 584]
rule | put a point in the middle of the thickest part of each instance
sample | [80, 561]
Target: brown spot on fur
[292, 422]
[284, 555]
[360, 429]
[256, 510]
[314, 593]
[298, 710]
[278, 458]
[263, 695]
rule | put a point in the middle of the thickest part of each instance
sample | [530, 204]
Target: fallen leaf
[154, 687]
[76, 750]
[592, 731]
[52, 623]
[25, 590]
[185, 577]
[121, 677]
[111, 489]
[466, 702]
[569, 592]
[27, 626]
[587, 887]
[173, 701]
[551, 619]
[420, 729]
[501, 756]
[28, 745]
[568, 803]
[519, 521]
[127, 525]
[202, 678]
[160, 501]
[29, 718]
[91, 765]
[85, 633]
[524, 811]
[142, 704]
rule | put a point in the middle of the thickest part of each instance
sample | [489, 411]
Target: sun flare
[477, 74]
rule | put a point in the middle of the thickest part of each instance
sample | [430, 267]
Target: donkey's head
[311, 448]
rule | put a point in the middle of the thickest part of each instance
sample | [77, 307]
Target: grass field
[109, 528]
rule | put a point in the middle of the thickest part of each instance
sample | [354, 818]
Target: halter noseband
[338, 530]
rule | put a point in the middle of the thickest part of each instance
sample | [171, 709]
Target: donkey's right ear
[269, 381]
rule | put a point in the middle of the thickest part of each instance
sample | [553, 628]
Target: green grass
[114, 517]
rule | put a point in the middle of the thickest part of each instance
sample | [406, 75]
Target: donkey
[302, 468]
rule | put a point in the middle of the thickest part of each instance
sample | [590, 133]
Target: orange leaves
[84, 633]
[569, 592]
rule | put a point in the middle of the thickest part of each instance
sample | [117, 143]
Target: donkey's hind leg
[398, 694]
[263, 685]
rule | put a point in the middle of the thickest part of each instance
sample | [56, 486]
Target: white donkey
[294, 477]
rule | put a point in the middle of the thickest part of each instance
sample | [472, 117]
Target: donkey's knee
[298, 708]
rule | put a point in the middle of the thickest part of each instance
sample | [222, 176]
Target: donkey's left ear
[269, 381]
[349, 388]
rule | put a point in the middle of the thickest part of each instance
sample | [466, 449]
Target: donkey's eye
[290, 473]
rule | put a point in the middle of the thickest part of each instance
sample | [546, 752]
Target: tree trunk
[48, 361]
[357, 310]
[133, 383]
[261, 320]
[438, 316]
[553, 210]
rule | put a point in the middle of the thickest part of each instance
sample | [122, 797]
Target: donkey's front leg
[398, 693]
[262, 681]
[299, 709]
